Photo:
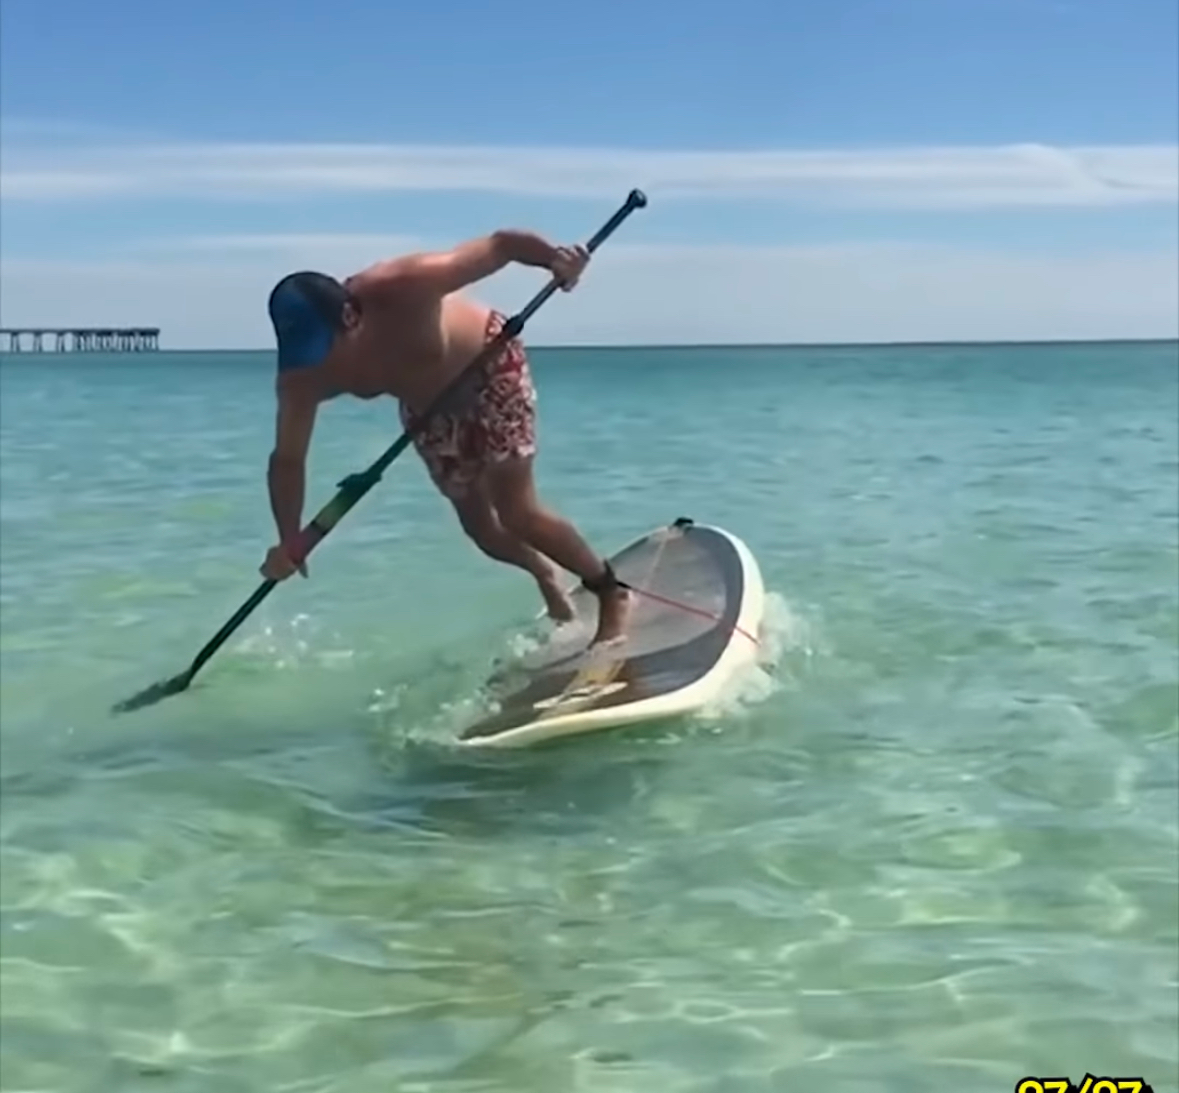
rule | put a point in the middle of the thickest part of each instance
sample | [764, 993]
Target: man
[401, 328]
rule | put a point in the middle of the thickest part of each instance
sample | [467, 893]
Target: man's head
[308, 310]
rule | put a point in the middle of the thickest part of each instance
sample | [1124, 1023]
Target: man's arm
[286, 473]
[443, 272]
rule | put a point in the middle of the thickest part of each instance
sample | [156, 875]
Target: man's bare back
[409, 352]
[402, 328]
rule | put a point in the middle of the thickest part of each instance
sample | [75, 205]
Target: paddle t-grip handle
[636, 199]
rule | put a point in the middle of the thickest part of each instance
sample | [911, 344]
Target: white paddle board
[694, 622]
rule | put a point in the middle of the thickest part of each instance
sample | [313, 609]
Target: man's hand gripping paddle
[355, 486]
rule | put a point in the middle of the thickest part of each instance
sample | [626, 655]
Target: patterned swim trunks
[496, 421]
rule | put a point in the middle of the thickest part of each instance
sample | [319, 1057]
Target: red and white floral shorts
[496, 421]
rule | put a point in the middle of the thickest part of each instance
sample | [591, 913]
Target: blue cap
[304, 333]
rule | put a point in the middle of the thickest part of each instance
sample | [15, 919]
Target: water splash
[296, 643]
[788, 640]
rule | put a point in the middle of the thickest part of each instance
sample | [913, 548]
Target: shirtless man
[400, 328]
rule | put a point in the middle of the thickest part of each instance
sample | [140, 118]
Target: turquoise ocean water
[932, 846]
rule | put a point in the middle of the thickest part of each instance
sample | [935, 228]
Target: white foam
[785, 631]
[296, 643]
[448, 721]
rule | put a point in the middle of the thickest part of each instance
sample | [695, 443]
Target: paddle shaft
[354, 487]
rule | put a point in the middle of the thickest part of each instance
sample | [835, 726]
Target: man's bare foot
[613, 612]
[558, 605]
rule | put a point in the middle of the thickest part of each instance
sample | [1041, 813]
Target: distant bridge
[130, 339]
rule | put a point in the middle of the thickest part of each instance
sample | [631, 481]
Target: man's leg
[482, 525]
[512, 493]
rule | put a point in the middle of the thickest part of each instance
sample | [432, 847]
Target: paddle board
[694, 621]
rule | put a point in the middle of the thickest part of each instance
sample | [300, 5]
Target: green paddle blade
[157, 692]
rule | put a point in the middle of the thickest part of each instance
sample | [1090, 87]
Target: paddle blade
[155, 693]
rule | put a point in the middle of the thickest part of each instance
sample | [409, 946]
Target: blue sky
[853, 170]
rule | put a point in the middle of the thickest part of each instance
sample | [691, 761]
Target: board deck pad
[690, 584]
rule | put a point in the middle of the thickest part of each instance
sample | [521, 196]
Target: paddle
[355, 486]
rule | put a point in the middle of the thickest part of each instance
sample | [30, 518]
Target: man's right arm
[286, 473]
[450, 271]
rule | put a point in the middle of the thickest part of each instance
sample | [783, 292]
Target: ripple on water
[931, 845]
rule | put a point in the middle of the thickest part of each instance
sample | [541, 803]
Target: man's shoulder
[410, 280]
[399, 274]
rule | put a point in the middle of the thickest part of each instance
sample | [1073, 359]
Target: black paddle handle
[355, 486]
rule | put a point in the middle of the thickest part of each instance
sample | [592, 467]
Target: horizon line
[663, 346]
[903, 344]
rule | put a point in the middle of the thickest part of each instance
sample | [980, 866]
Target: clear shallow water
[935, 846]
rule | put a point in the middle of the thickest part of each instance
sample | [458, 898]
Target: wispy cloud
[325, 248]
[922, 177]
